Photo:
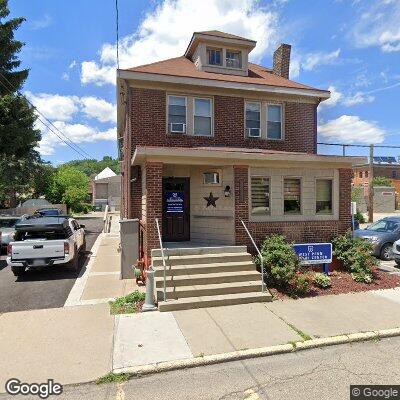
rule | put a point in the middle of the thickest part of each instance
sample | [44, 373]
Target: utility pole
[371, 187]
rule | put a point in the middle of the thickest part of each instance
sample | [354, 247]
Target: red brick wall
[148, 121]
[153, 204]
[298, 231]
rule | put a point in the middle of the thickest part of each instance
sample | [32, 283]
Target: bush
[322, 280]
[127, 304]
[359, 216]
[280, 261]
[356, 256]
[300, 284]
[382, 181]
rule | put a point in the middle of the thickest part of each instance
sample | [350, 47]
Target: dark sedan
[381, 234]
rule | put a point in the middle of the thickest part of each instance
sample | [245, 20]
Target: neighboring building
[106, 189]
[209, 139]
[388, 167]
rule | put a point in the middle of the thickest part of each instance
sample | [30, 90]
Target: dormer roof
[218, 37]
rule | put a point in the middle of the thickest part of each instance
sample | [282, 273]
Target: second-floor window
[202, 117]
[274, 121]
[214, 56]
[253, 119]
[176, 114]
[233, 59]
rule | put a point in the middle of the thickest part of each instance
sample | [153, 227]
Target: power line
[68, 141]
[117, 31]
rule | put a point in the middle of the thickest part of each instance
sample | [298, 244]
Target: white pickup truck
[46, 241]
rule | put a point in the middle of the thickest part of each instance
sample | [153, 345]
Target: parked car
[46, 241]
[382, 234]
[48, 212]
[7, 228]
[396, 252]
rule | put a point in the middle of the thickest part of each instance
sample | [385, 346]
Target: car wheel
[18, 271]
[386, 252]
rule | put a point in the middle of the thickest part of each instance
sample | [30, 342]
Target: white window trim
[322, 178]
[282, 119]
[251, 201]
[211, 116]
[186, 114]
[246, 134]
[300, 178]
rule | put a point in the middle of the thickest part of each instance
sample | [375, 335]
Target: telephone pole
[371, 187]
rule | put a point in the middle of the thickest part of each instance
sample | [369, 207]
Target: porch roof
[235, 156]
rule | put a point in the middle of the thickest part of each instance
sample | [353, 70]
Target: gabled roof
[182, 67]
[106, 173]
[223, 35]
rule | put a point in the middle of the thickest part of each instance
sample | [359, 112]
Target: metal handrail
[163, 260]
[259, 254]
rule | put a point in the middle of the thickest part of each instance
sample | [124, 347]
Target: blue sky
[351, 47]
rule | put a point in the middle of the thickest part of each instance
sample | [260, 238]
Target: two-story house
[209, 140]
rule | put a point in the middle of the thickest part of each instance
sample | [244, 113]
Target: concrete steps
[207, 277]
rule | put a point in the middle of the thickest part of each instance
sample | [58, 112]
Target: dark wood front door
[176, 209]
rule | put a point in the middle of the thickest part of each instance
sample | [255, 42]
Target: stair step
[199, 250]
[210, 290]
[214, 301]
[202, 259]
[204, 279]
[205, 268]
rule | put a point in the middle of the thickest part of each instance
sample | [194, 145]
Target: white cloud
[358, 98]
[378, 26]
[99, 109]
[336, 96]
[54, 106]
[78, 133]
[155, 40]
[351, 129]
[311, 61]
[43, 22]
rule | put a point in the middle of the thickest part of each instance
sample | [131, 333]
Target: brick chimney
[282, 60]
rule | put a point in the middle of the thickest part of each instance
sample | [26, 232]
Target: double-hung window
[292, 196]
[260, 195]
[253, 117]
[323, 196]
[176, 114]
[214, 56]
[274, 121]
[202, 113]
[233, 59]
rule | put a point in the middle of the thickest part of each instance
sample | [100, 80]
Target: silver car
[381, 234]
[7, 230]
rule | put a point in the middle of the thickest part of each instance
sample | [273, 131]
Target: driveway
[48, 288]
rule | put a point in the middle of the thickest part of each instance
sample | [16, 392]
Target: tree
[93, 167]
[382, 181]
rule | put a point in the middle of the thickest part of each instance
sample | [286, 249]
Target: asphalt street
[47, 288]
[319, 374]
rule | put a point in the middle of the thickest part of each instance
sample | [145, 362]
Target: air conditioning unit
[254, 132]
[177, 128]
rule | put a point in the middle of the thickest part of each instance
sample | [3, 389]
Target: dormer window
[233, 59]
[214, 56]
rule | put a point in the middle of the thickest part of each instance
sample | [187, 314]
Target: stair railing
[163, 259]
[259, 255]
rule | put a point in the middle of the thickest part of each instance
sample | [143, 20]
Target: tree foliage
[382, 181]
[93, 167]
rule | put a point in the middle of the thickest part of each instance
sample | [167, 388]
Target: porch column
[345, 177]
[153, 204]
[241, 203]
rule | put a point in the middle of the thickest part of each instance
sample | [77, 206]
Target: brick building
[209, 139]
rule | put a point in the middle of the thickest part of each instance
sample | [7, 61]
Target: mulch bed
[342, 282]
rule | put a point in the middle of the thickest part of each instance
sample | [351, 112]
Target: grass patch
[303, 335]
[113, 378]
[129, 304]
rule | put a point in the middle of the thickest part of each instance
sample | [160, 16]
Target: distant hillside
[93, 167]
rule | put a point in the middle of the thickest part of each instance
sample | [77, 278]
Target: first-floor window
[324, 196]
[260, 195]
[292, 195]
[274, 121]
[211, 178]
[176, 114]
[202, 117]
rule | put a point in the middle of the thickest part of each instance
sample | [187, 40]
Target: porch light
[227, 191]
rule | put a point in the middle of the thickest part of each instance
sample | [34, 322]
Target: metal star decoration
[211, 200]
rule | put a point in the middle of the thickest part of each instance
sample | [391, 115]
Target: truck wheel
[18, 271]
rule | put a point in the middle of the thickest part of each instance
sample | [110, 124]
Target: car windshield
[8, 222]
[384, 226]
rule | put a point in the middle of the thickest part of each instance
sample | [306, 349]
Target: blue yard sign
[314, 253]
[174, 201]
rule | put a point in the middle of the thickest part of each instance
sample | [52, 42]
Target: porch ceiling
[236, 156]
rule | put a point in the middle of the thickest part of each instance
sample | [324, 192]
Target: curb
[258, 352]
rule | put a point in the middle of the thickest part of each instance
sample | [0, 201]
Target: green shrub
[127, 304]
[280, 261]
[322, 280]
[300, 284]
[359, 216]
[356, 256]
